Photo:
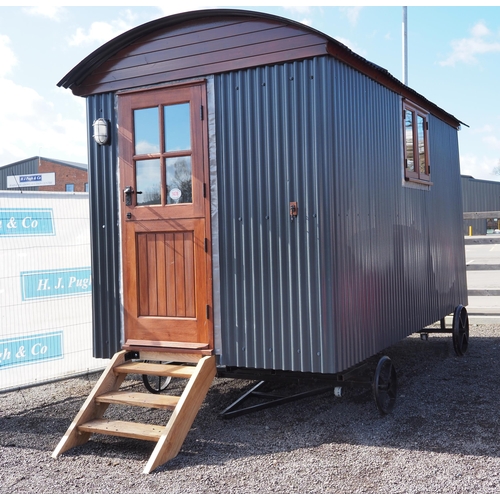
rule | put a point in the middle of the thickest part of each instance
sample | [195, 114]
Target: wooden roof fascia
[201, 71]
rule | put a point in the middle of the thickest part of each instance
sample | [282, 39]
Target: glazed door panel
[165, 218]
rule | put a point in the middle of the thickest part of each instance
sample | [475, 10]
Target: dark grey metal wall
[105, 241]
[367, 261]
[479, 196]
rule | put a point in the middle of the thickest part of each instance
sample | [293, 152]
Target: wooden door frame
[206, 205]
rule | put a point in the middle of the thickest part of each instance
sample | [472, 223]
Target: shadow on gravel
[445, 404]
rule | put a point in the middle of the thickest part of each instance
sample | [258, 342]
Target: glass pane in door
[148, 182]
[177, 127]
[178, 175]
[146, 131]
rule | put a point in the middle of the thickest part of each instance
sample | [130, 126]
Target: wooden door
[165, 214]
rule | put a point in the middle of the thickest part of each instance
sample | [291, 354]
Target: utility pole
[405, 47]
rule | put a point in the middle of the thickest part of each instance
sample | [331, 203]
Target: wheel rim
[156, 384]
[385, 385]
[460, 331]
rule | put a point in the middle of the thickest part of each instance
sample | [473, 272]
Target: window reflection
[421, 144]
[410, 162]
[177, 127]
[146, 131]
[179, 186]
[148, 182]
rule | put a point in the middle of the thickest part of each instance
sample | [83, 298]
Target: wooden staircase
[198, 368]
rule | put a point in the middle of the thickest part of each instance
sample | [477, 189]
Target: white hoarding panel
[45, 288]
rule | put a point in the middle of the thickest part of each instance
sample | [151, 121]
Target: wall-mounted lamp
[100, 131]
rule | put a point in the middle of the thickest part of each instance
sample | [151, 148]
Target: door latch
[294, 209]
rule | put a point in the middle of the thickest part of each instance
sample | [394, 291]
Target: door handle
[128, 192]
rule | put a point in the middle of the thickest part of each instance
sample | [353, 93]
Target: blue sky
[453, 57]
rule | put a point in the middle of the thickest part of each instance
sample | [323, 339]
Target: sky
[453, 60]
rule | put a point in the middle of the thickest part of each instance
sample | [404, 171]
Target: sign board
[45, 288]
[31, 180]
[26, 221]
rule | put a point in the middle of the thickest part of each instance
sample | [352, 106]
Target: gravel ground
[442, 436]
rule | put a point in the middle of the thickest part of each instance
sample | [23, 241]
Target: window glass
[410, 162]
[148, 182]
[421, 143]
[179, 187]
[146, 131]
[177, 128]
[70, 187]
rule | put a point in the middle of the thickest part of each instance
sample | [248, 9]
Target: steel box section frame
[368, 260]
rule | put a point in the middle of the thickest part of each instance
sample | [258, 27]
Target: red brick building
[67, 175]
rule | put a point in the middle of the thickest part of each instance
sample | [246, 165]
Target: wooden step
[201, 349]
[156, 369]
[169, 438]
[133, 430]
[146, 400]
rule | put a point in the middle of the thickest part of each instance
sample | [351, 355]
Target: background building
[480, 196]
[44, 174]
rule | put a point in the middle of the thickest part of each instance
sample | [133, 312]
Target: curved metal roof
[82, 70]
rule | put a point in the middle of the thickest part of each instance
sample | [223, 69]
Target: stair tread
[158, 369]
[147, 400]
[134, 430]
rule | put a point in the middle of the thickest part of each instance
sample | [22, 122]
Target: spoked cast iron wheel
[385, 385]
[460, 330]
[154, 383]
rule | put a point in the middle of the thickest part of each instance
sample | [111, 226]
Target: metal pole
[405, 47]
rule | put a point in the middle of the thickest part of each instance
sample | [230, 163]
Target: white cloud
[50, 12]
[103, 31]
[307, 22]
[7, 56]
[296, 9]
[493, 141]
[352, 14]
[31, 126]
[170, 9]
[351, 45]
[480, 30]
[479, 168]
[465, 50]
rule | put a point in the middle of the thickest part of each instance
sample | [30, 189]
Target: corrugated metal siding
[19, 168]
[479, 196]
[367, 261]
[105, 241]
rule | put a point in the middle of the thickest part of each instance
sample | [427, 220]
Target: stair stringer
[108, 381]
[182, 418]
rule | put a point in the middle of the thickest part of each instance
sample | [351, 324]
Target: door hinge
[206, 245]
[208, 311]
[201, 112]
[204, 190]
